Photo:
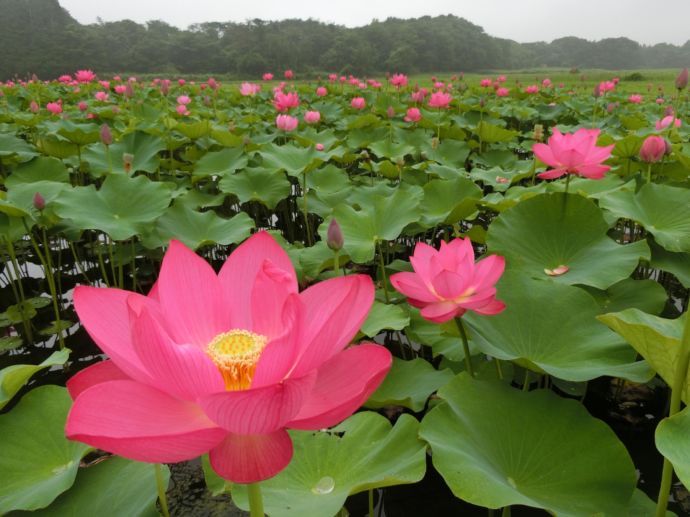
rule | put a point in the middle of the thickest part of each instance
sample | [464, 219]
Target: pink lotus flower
[101, 96]
[212, 83]
[321, 91]
[653, 149]
[413, 115]
[268, 76]
[104, 84]
[532, 88]
[184, 100]
[181, 82]
[332, 77]
[501, 79]
[358, 103]
[440, 100]
[485, 83]
[285, 101]
[399, 80]
[502, 92]
[54, 107]
[286, 122]
[573, 154]
[65, 78]
[34, 107]
[84, 76]
[181, 109]
[667, 121]
[682, 79]
[447, 283]
[312, 117]
[83, 106]
[223, 363]
[249, 89]
[419, 95]
[319, 147]
[289, 74]
[546, 83]
[606, 86]
[635, 98]
[120, 89]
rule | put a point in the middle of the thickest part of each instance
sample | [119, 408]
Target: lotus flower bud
[482, 102]
[127, 160]
[33, 107]
[39, 201]
[106, 135]
[596, 93]
[334, 236]
[129, 91]
[682, 79]
[668, 112]
[538, 132]
[390, 112]
[653, 149]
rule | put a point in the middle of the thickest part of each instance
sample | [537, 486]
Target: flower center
[236, 353]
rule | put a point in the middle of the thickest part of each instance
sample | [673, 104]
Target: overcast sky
[645, 21]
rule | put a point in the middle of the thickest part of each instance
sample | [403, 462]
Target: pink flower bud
[682, 79]
[653, 149]
[39, 201]
[358, 103]
[390, 112]
[334, 236]
[319, 147]
[106, 135]
[312, 117]
[33, 107]
[321, 91]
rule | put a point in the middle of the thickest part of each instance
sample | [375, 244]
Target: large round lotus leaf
[646, 295]
[588, 188]
[497, 446]
[672, 437]
[409, 384]
[452, 153]
[678, 264]
[221, 162]
[384, 316]
[143, 147]
[536, 235]
[448, 201]
[41, 168]
[664, 212]
[267, 186]
[291, 158]
[391, 150]
[551, 328]
[490, 133]
[80, 134]
[197, 229]
[642, 506]
[379, 218]
[11, 145]
[327, 467]
[115, 486]
[123, 206]
[327, 187]
[37, 462]
[13, 377]
[656, 339]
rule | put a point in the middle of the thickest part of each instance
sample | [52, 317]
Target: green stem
[465, 346]
[506, 511]
[679, 381]
[305, 209]
[565, 192]
[383, 273]
[336, 262]
[101, 263]
[649, 173]
[48, 269]
[371, 502]
[160, 485]
[18, 273]
[526, 383]
[133, 266]
[256, 504]
[499, 371]
[111, 257]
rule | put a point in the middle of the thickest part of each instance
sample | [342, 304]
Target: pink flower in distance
[501, 79]
[332, 77]
[289, 74]
[65, 78]
[447, 282]
[286, 122]
[223, 363]
[399, 80]
[182, 110]
[546, 83]
[120, 89]
[532, 88]
[54, 107]
[249, 89]
[358, 103]
[413, 115]
[319, 147]
[312, 117]
[184, 99]
[84, 76]
[83, 106]
[321, 91]
[440, 100]
[485, 83]
[285, 101]
[267, 76]
[667, 121]
[635, 98]
[502, 92]
[181, 82]
[101, 96]
[575, 153]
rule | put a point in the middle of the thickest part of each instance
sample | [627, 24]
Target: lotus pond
[343, 297]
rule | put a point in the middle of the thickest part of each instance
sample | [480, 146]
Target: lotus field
[316, 289]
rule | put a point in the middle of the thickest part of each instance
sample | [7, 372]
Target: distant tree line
[39, 36]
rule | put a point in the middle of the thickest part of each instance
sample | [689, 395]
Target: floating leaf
[37, 462]
[263, 185]
[384, 316]
[143, 147]
[326, 468]
[12, 378]
[496, 446]
[646, 295]
[449, 201]
[221, 163]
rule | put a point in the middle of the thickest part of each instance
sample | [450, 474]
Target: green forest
[40, 37]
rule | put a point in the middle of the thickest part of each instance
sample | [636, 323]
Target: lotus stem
[256, 503]
[371, 502]
[160, 485]
[506, 511]
[336, 262]
[679, 381]
[383, 273]
[465, 346]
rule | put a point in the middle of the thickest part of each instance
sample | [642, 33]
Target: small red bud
[39, 201]
[334, 236]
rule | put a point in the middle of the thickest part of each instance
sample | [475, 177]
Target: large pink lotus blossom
[54, 107]
[399, 80]
[321, 91]
[440, 100]
[285, 101]
[413, 115]
[358, 103]
[268, 76]
[84, 76]
[575, 153]
[312, 117]
[223, 363]
[532, 88]
[249, 89]
[666, 122]
[286, 122]
[446, 282]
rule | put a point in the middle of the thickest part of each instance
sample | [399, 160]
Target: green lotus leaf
[491, 134]
[143, 147]
[291, 158]
[551, 328]
[449, 201]
[194, 130]
[264, 185]
[57, 146]
[662, 210]
[646, 295]
[11, 145]
[452, 153]
[384, 316]
[642, 506]
[114, 486]
[380, 218]
[326, 467]
[409, 384]
[123, 207]
[656, 339]
[220, 163]
[37, 463]
[12, 378]
[391, 150]
[41, 168]
[196, 229]
[672, 437]
[677, 264]
[79, 134]
[496, 446]
[537, 236]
